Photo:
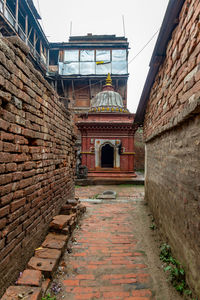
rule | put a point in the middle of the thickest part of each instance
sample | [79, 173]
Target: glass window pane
[71, 55]
[87, 55]
[71, 68]
[118, 55]
[60, 68]
[119, 67]
[87, 68]
[103, 68]
[102, 55]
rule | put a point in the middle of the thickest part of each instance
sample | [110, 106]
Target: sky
[142, 19]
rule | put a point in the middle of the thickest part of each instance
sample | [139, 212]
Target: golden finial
[108, 80]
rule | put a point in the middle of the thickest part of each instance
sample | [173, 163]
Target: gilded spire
[108, 80]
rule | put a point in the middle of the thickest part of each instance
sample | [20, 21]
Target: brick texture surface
[172, 135]
[36, 158]
[105, 261]
[176, 90]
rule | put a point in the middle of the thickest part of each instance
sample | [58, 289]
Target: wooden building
[20, 17]
[78, 68]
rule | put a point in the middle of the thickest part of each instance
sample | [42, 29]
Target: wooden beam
[30, 33]
[63, 88]
[117, 84]
[47, 60]
[90, 89]
[34, 40]
[73, 93]
[4, 7]
[26, 28]
[16, 14]
[40, 47]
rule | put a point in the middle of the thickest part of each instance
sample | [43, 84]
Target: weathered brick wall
[172, 136]
[36, 157]
[139, 150]
[172, 189]
[176, 90]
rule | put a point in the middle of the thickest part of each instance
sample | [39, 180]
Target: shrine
[107, 137]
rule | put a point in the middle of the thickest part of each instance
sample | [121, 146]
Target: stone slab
[47, 253]
[25, 292]
[31, 278]
[46, 265]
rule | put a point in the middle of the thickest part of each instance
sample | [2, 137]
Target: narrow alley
[113, 253]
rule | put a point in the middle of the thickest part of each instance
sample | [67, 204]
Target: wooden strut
[90, 89]
[73, 92]
[16, 14]
[26, 27]
[4, 7]
[30, 33]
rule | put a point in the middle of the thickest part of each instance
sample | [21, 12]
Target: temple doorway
[107, 156]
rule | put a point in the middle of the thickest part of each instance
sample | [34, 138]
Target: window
[118, 55]
[87, 55]
[103, 55]
[71, 55]
[100, 62]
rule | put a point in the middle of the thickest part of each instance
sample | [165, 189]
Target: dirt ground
[130, 200]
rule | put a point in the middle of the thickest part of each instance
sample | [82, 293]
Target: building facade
[78, 68]
[107, 137]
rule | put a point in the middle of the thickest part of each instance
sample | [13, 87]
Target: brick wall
[176, 90]
[36, 157]
[172, 136]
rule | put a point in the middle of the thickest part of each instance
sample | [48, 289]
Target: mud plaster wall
[172, 136]
[36, 158]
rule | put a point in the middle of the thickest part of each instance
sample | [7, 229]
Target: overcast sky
[142, 19]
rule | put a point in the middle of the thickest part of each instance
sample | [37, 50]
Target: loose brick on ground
[31, 278]
[30, 293]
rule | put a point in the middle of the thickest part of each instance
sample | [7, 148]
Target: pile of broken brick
[34, 281]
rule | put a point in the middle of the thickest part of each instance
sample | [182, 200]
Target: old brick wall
[172, 136]
[172, 188]
[176, 90]
[36, 157]
[139, 150]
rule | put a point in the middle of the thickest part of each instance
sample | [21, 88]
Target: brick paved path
[105, 259]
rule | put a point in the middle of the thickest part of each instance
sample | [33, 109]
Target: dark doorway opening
[107, 156]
